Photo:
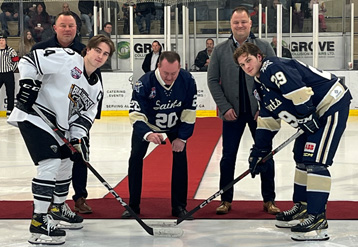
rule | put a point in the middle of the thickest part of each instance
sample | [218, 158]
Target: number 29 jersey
[288, 89]
[154, 107]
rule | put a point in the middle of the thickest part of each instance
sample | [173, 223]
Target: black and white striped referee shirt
[8, 60]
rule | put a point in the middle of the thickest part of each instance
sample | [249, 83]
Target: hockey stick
[157, 232]
[227, 187]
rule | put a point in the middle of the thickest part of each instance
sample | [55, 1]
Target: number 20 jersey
[288, 89]
[157, 108]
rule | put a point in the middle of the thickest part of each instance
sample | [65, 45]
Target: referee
[8, 64]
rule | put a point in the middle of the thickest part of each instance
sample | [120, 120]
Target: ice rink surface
[110, 147]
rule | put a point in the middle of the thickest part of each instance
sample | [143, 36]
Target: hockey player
[68, 96]
[163, 101]
[306, 98]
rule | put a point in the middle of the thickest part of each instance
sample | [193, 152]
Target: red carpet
[156, 187]
[158, 164]
[159, 208]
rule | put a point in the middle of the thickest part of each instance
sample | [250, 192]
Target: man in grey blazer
[231, 89]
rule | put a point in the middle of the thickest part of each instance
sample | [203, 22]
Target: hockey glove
[29, 89]
[82, 146]
[256, 155]
[309, 124]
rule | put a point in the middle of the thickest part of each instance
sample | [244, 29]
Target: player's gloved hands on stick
[82, 146]
[309, 123]
[256, 155]
[29, 90]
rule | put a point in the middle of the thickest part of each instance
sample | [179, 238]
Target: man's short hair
[240, 9]
[65, 13]
[107, 23]
[3, 35]
[170, 56]
[209, 39]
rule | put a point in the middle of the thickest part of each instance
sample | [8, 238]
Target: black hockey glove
[29, 89]
[309, 123]
[256, 155]
[82, 146]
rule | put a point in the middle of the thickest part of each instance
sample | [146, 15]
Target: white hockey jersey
[66, 96]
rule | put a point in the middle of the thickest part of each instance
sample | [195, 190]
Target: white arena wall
[118, 90]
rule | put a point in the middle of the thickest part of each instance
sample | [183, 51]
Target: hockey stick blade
[159, 232]
[231, 184]
[159, 223]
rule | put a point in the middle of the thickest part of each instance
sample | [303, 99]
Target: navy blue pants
[232, 133]
[179, 185]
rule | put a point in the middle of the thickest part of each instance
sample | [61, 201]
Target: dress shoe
[82, 207]
[180, 213]
[271, 208]
[224, 208]
[127, 215]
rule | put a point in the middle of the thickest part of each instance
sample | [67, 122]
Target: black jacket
[77, 47]
[200, 60]
[147, 61]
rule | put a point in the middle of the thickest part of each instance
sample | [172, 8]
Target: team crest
[153, 93]
[137, 85]
[79, 101]
[76, 73]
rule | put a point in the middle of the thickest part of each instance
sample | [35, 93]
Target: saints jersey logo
[79, 101]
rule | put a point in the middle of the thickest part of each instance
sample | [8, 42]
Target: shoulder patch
[137, 85]
[76, 73]
[256, 95]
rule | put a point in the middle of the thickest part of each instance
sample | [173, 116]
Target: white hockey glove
[309, 124]
[29, 89]
[82, 146]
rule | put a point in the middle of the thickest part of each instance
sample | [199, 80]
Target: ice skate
[65, 218]
[44, 231]
[313, 228]
[292, 217]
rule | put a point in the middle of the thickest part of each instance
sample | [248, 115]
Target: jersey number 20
[165, 121]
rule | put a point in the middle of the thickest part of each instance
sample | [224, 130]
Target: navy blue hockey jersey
[288, 89]
[157, 108]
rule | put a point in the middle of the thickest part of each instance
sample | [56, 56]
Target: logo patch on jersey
[265, 65]
[336, 92]
[309, 147]
[54, 148]
[76, 73]
[79, 101]
[153, 93]
[137, 85]
[256, 95]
